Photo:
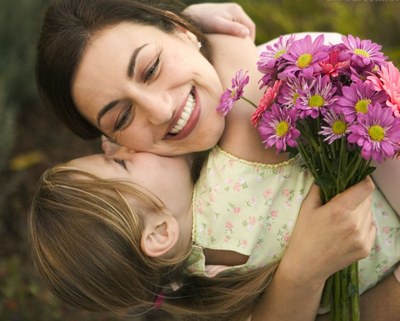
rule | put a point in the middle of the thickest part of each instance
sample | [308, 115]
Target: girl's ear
[160, 235]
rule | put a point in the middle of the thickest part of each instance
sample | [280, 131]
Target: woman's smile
[186, 118]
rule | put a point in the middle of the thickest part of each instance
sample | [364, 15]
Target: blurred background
[32, 140]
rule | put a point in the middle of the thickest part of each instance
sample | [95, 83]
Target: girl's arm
[224, 18]
[325, 239]
[240, 137]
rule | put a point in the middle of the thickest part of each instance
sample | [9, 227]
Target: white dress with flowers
[251, 208]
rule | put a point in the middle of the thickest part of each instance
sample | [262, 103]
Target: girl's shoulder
[240, 138]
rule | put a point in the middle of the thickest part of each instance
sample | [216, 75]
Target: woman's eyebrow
[105, 110]
[132, 61]
[130, 71]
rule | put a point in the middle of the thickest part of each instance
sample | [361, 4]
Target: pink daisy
[336, 63]
[358, 97]
[271, 62]
[304, 57]
[388, 79]
[316, 97]
[377, 133]
[363, 52]
[289, 91]
[230, 96]
[278, 128]
[335, 128]
[266, 101]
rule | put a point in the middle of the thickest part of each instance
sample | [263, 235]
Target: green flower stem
[344, 297]
[355, 169]
[334, 167]
[342, 155]
[336, 300]
[327, 293]
[326, 160]
[307, 132]
[308, 159]
[249, 101]
[355, 302]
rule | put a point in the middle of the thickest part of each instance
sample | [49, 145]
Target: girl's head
[132, 71]
[101, 240]
[108, 243]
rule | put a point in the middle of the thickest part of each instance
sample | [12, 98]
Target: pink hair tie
[159, 301]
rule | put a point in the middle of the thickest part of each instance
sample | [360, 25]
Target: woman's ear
[160, 235]
[186, 35]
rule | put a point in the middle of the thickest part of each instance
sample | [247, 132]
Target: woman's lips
[188, 107]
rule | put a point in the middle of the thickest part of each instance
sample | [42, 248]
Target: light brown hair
[85, 237]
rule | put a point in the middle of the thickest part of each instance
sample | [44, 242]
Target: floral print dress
[251, 208]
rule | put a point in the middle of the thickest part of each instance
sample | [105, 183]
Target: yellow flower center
[282, 128]
[304, 60]
[361, 52]
[362, 105]
[339, 127]
[233, 93]
[295, 96]
[376, 132]
[316, 101]
[280, 53]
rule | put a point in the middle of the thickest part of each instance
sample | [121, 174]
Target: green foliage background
[22, 297]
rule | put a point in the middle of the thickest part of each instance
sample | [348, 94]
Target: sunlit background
[32, 140]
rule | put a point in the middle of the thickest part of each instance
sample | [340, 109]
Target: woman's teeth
[186, 113]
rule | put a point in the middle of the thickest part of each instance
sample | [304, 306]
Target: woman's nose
[158, 108]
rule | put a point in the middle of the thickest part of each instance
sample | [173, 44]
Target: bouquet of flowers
[338, 106]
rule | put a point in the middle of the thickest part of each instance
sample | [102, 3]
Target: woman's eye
[123, 118]
[152, 70]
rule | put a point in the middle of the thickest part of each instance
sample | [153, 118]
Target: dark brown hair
[68, 26]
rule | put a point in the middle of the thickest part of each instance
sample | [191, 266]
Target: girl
[101, 239]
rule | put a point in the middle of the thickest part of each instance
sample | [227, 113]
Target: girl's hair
[85, 237]
[67, 28]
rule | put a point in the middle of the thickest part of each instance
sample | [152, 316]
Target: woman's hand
[328, 238]
[225, 18]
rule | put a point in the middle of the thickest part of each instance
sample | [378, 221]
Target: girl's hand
[113, 150]
[225, 18]
[328, 238]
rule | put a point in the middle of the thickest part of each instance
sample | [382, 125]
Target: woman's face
[149, 90]
[168, 178]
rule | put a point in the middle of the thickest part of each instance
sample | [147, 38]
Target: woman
[100, 78]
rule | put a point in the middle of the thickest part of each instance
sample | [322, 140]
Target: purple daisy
[271, 61]
[278, 128]
[304, 57]
[230, 96]
[289, 91]
[363, 52]
[269, 57]
[336, 126]
[315, 98]
[357, 98]
[377, 133]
